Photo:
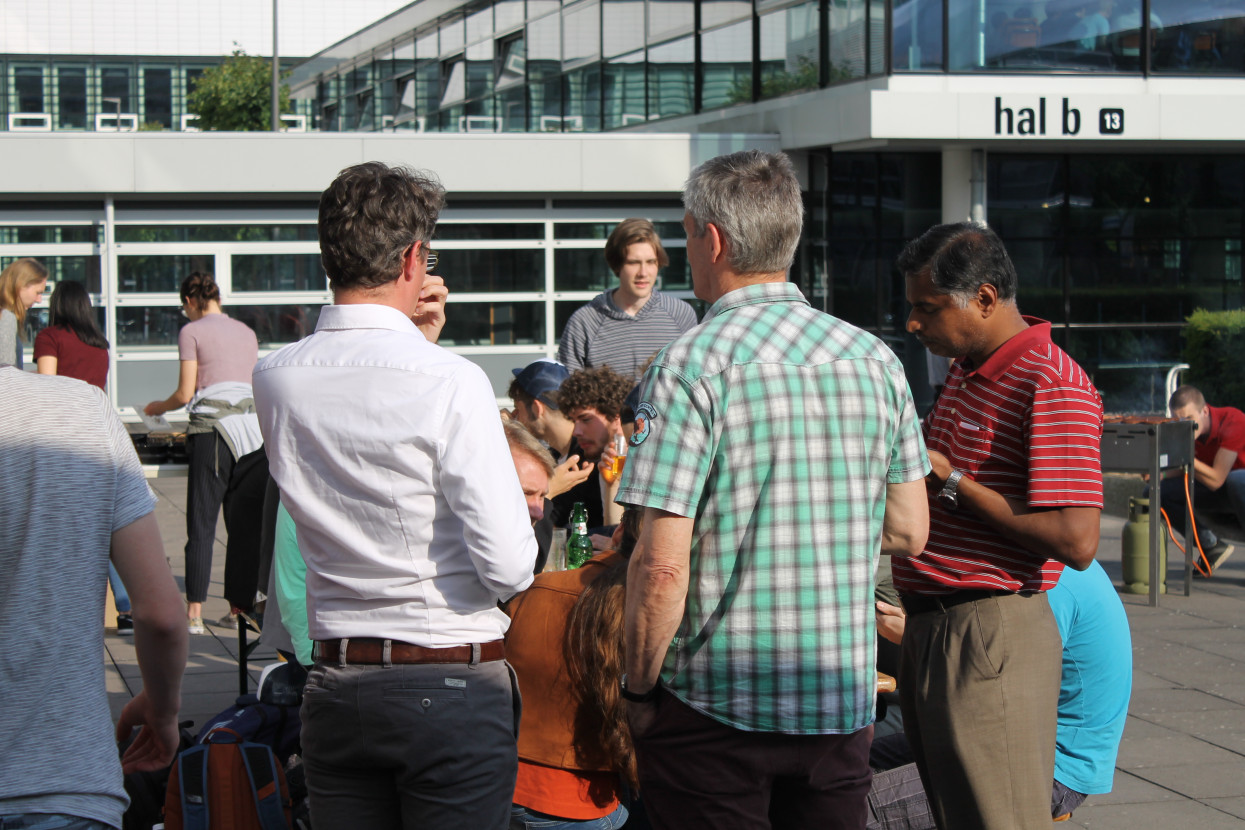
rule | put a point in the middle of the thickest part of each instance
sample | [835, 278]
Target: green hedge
[1215, 351]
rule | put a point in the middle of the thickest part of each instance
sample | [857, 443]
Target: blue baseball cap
[542, 378]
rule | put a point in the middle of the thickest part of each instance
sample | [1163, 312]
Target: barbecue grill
[1153, 445]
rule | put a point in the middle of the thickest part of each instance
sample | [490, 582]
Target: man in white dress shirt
[391, 460]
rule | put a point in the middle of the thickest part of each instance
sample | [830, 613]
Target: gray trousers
[411, 746]
[979, 687]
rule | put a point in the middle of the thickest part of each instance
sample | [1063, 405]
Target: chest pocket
[973, 440]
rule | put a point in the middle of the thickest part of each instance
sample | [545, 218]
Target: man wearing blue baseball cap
[534, 391]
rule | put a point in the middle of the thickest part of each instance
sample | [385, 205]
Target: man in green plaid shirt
[777, 452]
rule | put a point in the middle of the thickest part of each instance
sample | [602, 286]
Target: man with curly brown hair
[593, 400]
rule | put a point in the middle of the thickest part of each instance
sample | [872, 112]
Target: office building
[1101, 139]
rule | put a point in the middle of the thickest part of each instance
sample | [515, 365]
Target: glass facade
[1178, 37]
[88, 93]
[605, 64]
[600, 64]
[1115, 251]
[1118, 250]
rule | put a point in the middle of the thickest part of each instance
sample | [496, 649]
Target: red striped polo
[1027, 424]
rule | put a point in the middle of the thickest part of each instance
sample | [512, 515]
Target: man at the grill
[1218, 471]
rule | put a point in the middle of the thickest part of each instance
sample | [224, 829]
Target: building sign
[1080, 117]
[1030, 121]
[1059, 109]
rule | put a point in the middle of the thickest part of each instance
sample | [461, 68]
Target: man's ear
[411, 260]
[717, 242]
[987, 299]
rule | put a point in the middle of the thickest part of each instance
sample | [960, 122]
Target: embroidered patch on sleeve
[645, 414]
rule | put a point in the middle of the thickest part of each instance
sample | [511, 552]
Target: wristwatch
[636, 697]
[948, 495]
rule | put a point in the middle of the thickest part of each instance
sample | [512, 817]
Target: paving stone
[1173, 815]
[1172, 750]
[1199, 781]
[1149, 701]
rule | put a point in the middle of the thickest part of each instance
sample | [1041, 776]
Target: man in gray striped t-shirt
[623, 328]
[73, 497]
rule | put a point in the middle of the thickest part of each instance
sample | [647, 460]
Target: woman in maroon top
[72, 345]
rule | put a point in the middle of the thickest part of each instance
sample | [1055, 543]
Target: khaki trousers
[979, 687]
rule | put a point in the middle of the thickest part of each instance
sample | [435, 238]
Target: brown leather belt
[925, 603]
[371, 651]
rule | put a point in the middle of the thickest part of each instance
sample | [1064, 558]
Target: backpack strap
[261, 769]
[222, 735]
[192, 777]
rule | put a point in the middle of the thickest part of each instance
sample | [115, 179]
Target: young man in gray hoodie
[624, 327]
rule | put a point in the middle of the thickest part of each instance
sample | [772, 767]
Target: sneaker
[196, 626]
[125, 624]
[227, 621]
[1219, 554]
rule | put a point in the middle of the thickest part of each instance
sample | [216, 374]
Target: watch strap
[950, 488]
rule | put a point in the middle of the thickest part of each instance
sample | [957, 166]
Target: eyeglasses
[430, 255]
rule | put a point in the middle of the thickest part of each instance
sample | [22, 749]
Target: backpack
[251, 719]
[147, 790]
[227, 783]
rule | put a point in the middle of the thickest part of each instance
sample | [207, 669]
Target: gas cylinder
[1135, 542]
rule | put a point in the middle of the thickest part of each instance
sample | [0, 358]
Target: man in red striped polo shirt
[1015, 494]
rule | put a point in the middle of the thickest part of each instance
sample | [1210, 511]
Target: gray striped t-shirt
[602, 334]
[69, 478]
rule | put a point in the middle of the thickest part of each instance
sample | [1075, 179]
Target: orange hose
[1201, 559]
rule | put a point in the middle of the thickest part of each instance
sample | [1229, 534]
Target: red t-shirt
[74, 359]
[1227, 432]
[1027, 424]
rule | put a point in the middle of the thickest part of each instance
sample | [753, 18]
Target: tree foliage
[1214, 343]
[236, 95]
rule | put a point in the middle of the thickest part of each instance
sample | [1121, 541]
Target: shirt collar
[756, 294]
[1005, 356]
[1216, 420]
[365, 316]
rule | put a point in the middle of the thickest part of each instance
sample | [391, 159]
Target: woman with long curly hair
[566, 645]
[21, 286]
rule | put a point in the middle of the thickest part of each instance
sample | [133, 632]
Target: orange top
[565, 793]
[555, 776]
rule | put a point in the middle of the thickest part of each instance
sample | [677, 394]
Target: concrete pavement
[1181, 764]
[211, 680]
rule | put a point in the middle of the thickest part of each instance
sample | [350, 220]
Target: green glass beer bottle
[578, 545]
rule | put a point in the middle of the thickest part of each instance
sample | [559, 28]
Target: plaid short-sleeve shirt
[777, 428]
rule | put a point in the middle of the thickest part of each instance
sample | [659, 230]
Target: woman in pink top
[213, 348]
